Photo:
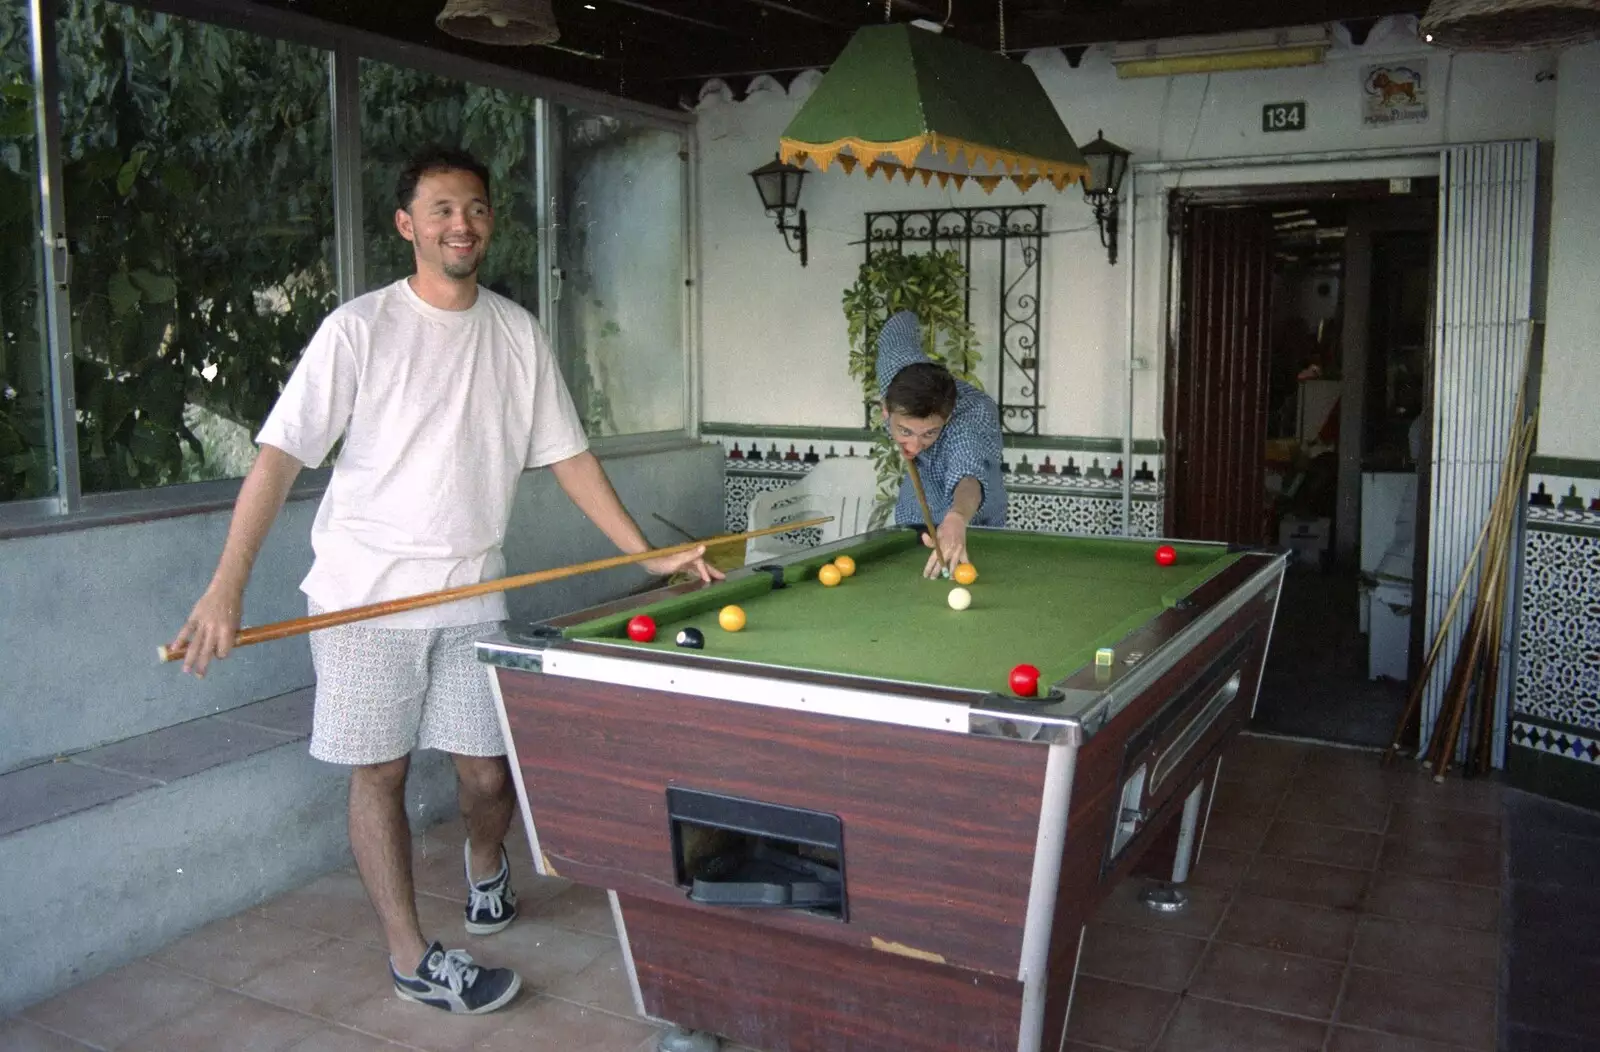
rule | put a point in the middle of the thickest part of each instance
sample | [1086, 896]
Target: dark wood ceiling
[659, 50]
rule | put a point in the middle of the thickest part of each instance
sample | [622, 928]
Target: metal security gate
[1481, 324]
[1011, 297]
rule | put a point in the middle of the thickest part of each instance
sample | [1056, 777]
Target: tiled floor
[1338, 907]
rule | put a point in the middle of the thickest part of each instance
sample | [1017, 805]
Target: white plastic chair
[843, 487]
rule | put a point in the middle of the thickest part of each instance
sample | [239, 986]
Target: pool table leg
[1170, 897]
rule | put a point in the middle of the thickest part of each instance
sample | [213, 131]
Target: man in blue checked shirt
[952, 430]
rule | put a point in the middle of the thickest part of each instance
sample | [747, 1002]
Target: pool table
[838, 827]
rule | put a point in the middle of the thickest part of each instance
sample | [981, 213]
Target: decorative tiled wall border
[1564, 490]
[1569, 745]
[1082, 465]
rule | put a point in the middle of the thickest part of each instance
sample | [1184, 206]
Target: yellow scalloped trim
[1021, 169]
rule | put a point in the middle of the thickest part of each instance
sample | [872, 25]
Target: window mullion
[56, 293]
[344, 66]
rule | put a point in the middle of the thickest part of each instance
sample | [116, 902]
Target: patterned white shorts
[382, 692]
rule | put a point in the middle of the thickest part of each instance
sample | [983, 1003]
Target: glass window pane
[622, 293]
[197, 178]
[27, 456]
[403, 111]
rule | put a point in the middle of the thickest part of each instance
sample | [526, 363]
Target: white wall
[1570, 401]
[773, 334]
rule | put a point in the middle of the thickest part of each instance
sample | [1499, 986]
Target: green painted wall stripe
[790, 433]
[1569, 466]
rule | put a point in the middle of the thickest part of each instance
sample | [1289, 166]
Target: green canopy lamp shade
[1108, 163]
[1510, 25]
[779, 187]
[906, 101]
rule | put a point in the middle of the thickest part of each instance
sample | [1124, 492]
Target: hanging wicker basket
[1510, 25]
[508, 22]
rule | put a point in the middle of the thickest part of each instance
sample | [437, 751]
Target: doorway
[1296, 400]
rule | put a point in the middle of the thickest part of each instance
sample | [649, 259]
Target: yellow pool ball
[965, 573]
[846, 565]
[829, 575]
[731, 618]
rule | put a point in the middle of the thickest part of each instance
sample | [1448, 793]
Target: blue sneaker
[491, 904]
[449, 980]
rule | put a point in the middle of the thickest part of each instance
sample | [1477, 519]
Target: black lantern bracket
[779, 187]
[1108, 163]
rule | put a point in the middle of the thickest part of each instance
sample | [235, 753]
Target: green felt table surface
[1048, 601]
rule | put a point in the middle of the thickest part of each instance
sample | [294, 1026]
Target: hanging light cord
[1002, 27]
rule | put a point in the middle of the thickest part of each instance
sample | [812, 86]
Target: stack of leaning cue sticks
[1474, 686]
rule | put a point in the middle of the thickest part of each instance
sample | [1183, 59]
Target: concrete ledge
[130, 847]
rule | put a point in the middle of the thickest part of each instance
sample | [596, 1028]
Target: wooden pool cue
[927, 516]
[302, 625]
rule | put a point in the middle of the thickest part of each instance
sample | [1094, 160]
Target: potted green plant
[932, 285]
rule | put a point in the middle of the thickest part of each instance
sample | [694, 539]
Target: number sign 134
[1283, 116]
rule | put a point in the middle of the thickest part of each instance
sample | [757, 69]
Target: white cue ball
[960, 599]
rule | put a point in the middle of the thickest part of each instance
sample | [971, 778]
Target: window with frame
[405, 110]
[197, 171]
[620, 298]
[27, 447]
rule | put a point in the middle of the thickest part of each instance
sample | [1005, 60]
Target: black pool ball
[692, 638]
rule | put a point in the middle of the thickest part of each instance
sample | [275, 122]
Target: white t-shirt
[440, 411]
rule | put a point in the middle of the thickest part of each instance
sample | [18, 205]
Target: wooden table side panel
[1095, 804]
[939, 829]
[786, 992]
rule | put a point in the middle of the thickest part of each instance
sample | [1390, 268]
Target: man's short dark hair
[921, 390]
[433, 159]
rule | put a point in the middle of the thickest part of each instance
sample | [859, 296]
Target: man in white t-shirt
[443, 393]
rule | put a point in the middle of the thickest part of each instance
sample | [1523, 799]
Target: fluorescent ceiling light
[1258, 49]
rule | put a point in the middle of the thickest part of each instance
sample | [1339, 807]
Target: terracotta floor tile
[1200, 918]
[1415, 818]
[540, 952]
[1307, 882]
[328, 980]
[1252, 757]
[578, 908]
[1414, 1007]
[551, 1025]
[335, 904]
[1237, 832]
[1140, 956]
[1275, 982]
[603, 984]
[113, 1008]
[1244, 799]
[1432, 901]
[19, 1035]
[420, 1026]
[1455, 793]
[1116, 1015]
[1452, 955]
[1345, 808]
[227, 1021]
[1329, 845]
[1206, 1026]
[1290, 927]
[1219, 867]
[231, 950]
[1452, 860]
[342, 1039]
[1346, 1040]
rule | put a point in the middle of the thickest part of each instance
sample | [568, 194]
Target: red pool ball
[1025, 680]
[641, 629]
[1166, 555]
